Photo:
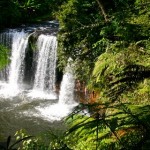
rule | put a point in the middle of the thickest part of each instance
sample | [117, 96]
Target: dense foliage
[109, 42]
[16, 12]
[113, 37]
[3, 56]
[86, 32]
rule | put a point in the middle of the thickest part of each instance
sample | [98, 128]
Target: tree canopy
[85, 32]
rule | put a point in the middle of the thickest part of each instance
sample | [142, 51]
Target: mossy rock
[4, 59]
[34, 36]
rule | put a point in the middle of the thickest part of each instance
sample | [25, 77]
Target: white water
[66, 95]
[19, 45]
[6, 38]
[66, 98]
[46, 63]
[12, 87]
[44, 83]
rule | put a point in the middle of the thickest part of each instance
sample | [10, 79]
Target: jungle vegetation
[110, 43]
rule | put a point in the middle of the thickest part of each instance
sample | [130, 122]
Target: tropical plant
[46, 141]
[104, 126]
[89, 28]
[123, 72]
[7, 146]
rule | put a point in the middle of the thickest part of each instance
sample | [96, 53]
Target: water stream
[34, 105]
[66, 97]
[45, 75]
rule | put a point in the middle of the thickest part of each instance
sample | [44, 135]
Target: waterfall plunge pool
[35, 107]
[36, 116]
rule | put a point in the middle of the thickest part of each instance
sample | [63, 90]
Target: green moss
[4, 61]
[32, 41]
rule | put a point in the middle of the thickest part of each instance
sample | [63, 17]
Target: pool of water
[25, 113]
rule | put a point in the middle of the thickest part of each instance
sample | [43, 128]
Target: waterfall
[66, 95]
[44, 82]
[11, 77]
[46, 63]
[31, 74]
[45, 73]
[19, 43]
[6, 38]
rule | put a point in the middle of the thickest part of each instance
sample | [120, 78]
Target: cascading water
[6, 38]
[45, 74]
[46, 66]
[29, 80]
[19, 45]
[44, 82]
[66, 97]
[27, 84]
[15, 73]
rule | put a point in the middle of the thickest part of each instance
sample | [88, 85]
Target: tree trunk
[102, 10]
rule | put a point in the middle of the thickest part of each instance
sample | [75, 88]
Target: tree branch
[102, 10]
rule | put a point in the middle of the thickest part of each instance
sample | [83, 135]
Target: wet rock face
[48, 31]
[35, 33]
